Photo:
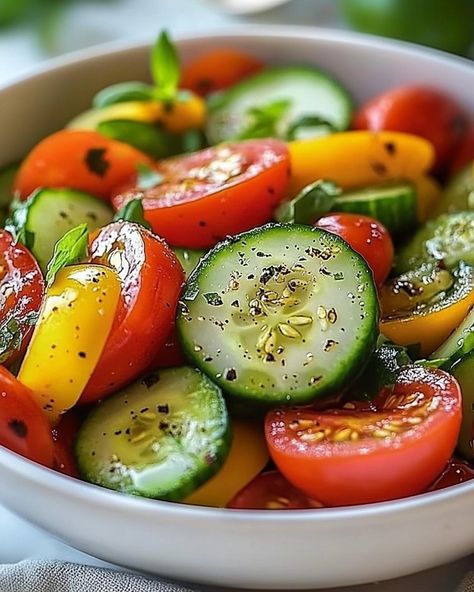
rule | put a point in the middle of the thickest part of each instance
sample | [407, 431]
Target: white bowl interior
[299, 549]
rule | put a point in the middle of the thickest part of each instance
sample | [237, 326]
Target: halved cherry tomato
[393, 448]
[21, 292]
[205, 196]
[64, 435]
[217, 70]
[418, 110]
[365, 235]
[456, 472]
[82, 160]
[23, 427]
[171, 354]
[271, 491]
[464, 153]
[151, 279]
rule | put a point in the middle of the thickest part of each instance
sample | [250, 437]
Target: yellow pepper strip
[429, 330]
[74, 322]
[176, 117]
[360, 158]
[247, 457]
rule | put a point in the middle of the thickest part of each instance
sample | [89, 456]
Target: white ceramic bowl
[296, 549]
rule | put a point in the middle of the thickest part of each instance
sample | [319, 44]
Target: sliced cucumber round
[393, 203]
[459, 193]
[463, 372]
[188, 258]
[48, 214]
[458, 344]
[280, 315]
[448, 238]
[309, 93]
[161, 437]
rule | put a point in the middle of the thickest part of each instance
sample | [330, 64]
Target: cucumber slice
[308, 91]
[188, 258]
[394, 204]
[161, 437]
[458, 344]
[463, 372]
[282, 314]
[48, 214]
[122, 92]
[448, 238]
[459, 193]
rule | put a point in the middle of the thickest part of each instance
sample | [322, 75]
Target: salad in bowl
[234, 287]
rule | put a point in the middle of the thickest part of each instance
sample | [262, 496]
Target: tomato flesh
[417, 110]
[21, 293]
[64, 435]
[82, 160]
[393, 448]
[23, 427]
[456, 472]
[205, 196]
[271, 491]
[151, 278]
[365, 235]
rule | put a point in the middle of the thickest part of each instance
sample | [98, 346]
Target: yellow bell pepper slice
[73, 325]
[359, 158]
[176, 117]
[247, 458]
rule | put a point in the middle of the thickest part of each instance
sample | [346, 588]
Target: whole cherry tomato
[218, 69]
[21, 293]
[464, 153]
[391, 448]
[365, 235]
[205, 196]
[418, 110]
[456, 472]
[23, 427]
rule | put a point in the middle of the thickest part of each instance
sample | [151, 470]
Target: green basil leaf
[15, 224]
[10, 338]
[264, 121]
[165, 68]
[133, 212]
[313, 201]
[70, 249]
[315, 123]
[147, 177]
[122, 93]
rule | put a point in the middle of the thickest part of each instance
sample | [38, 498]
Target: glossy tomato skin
[21, 292]
[376, 466]
[365, 235]
[271, 491]
[213, 193]
[217, 70]
[171, 354]
[82, 160]
[456, 472]
[464, 153]
[417, 110]
[23, 427]
[64, 435]
[152, 279]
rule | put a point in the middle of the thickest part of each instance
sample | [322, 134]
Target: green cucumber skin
[46, 227]
[463, 372]
[221, 104]
[189, 258]
[458, 196]
[394, 205]
[458, 344]
[242, 395]
[449, 238]
[108, 414]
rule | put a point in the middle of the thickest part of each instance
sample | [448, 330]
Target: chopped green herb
[121, 93]
[148, 177]
[133, 212]
[213, 299]
[313, 201]
[15, 224]
[309, 122]
[69, 249]
[265, 120]
[165, 68]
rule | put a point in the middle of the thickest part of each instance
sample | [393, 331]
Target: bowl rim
[76, 488]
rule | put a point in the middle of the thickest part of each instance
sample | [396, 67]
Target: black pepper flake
[118, 432]
[95, 161]
[164, 425]
[235, 303]
[390, 147]
[18, 427]
[151, 379]
[231, 374]
[163, 408]
[63, 215]
[144, 410]
[82, 354]
[379, 168]
[213, 299]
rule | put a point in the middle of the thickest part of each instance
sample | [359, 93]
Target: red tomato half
[271, 491]
[464, 153]
[152, 279]
[64, 436]
[205, 196]
[23, 427]
[171, 354]
[392, 449]
[218, 69]
[456, 472]
[417, 110]
[365, 235]
[81, 160]
[21, 293]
